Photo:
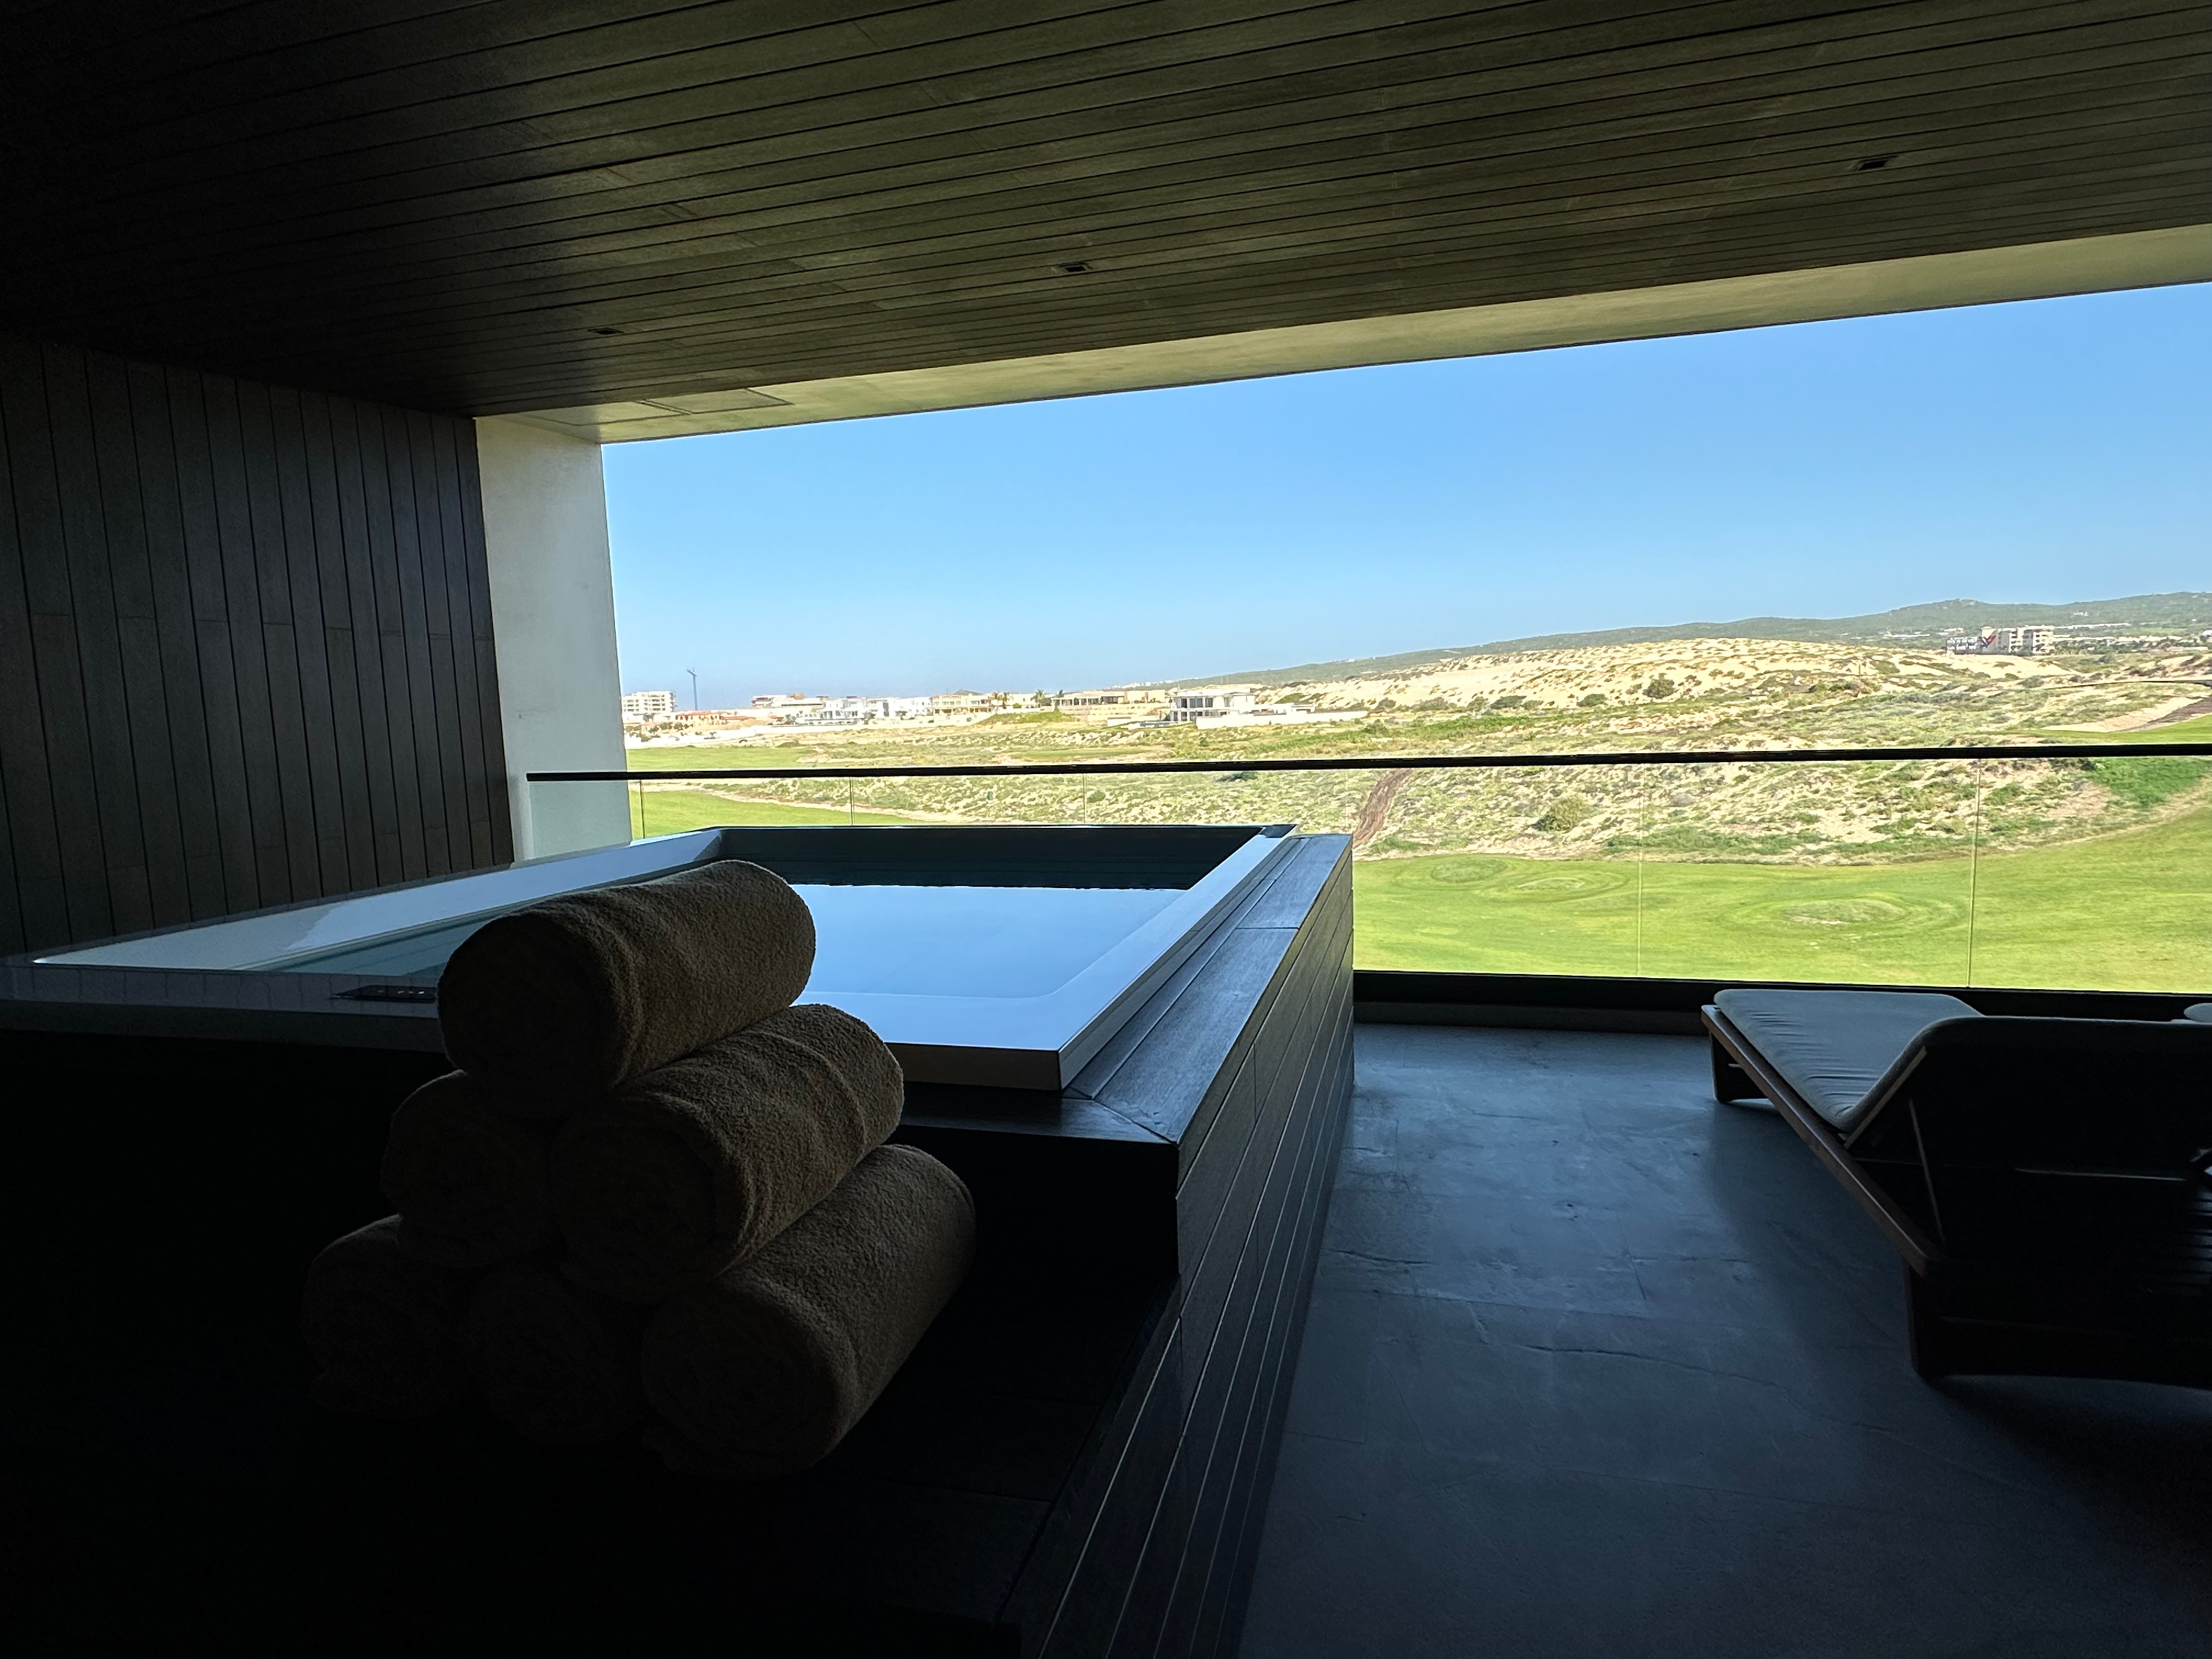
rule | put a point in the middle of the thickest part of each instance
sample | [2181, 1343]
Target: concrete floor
[1596, 1366]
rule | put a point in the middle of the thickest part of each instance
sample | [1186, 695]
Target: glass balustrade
[2070, 872]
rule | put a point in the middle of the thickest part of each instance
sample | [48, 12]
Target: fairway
[2131, 911]
[665, 811]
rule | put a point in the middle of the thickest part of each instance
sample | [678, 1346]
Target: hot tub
[1147, 1235]
[985, 955]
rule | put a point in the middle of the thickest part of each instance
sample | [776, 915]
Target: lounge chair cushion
[1833, 1046]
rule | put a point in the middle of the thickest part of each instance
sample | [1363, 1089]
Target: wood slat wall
[514, 204]
[245, 649]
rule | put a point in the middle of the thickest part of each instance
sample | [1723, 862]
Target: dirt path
[1376, 807]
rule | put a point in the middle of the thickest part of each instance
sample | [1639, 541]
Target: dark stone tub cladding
[1074, 1464]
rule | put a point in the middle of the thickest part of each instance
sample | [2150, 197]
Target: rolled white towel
[468, 1177]
[764, 1369]
[563, 1001]
[696, 1165]
[558, 1362]
[385, 1325]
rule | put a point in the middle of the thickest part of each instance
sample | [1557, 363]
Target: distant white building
[699, 721]
[851, 711]
[2031, 641]
[1188, 708]
[1208, 710]
[639, 707]
[1113, 697]
[961, 703]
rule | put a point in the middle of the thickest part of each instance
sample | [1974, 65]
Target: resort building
[641, 706]
[853, 711]
[1185, 706]
[697, 720]
[2033, 641]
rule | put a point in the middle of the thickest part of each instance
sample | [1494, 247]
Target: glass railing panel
[665, 809]
[2088, 872]
[572, 817]
[1319, 800]
[1855, 874]
[1500, 870]
[1859, 873]
[2095, 875]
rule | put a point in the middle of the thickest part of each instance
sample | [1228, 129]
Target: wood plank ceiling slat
[1527, 207]
[1397, 60]
[2085, 43]
[503, 205]
[639, 283]
[1502, 123]
[613, 260]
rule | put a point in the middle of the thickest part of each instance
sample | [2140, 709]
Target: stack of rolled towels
[656, 1195]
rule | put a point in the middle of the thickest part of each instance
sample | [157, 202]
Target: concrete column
[553, 621]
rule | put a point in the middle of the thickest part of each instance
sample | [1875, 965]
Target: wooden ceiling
[527, 203]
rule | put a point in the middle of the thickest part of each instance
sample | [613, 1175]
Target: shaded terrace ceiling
[537, 204]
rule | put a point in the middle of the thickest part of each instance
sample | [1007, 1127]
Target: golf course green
[2130, 911]
[665, 811]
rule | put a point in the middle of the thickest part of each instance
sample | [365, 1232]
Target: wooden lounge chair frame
[2073, 1241]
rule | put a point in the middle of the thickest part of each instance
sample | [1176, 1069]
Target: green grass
[708, 756]
[666, 811]
[2194, 730]
[2149, 779]
[2131, 911]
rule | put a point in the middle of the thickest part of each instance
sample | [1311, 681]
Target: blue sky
[2044, 450]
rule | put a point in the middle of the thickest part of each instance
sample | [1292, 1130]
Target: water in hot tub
[889, 940]
[969, 941]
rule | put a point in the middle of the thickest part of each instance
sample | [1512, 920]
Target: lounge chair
[2046, 1181]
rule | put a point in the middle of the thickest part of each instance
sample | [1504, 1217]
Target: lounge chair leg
[1730, 1081]
[1924, 1328]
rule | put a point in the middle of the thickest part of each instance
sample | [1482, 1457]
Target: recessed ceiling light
[1872, 163]
[1076, 267]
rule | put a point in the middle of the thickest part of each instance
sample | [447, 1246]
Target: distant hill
[1913, 625]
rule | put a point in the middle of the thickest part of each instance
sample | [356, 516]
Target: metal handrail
[1401, 763]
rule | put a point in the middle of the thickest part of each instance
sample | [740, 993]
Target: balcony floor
[1597, 1366]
